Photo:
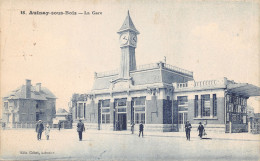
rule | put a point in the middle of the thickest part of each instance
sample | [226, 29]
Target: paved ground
[110, 145]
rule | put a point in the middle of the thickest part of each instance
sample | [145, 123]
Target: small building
[27, 104]
[161, 96]
[63, 118]
[254, 123]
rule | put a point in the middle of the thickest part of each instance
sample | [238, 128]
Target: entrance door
[182, 118]
[122, 121]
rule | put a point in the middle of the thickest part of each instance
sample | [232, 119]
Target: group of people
[81, 127]
[141, 129]
[188, 129]
[40, 128]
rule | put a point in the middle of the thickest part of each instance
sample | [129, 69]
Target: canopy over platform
[244, 89]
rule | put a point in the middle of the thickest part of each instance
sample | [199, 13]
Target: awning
[244, 89]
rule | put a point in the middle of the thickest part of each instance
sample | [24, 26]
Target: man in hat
[201, 129]
[39, 129]
[187, 129]
[80, 129]
[141, 129]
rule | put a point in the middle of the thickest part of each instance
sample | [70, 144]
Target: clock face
[133, 39]
[124, 38]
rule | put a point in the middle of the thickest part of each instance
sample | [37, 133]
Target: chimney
[28, 88]
[38, 87]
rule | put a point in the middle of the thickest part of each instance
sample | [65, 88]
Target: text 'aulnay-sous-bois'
[61, 13]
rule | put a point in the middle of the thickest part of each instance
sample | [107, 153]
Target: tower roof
[128, 25]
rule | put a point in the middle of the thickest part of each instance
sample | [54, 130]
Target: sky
[213, 39]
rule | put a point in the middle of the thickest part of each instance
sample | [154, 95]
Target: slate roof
[147, 75]
[128, 25]
[103, 83]
[20, 93]
[61, 111]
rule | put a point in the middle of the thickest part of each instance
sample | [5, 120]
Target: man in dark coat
[187, 129]
[141, 129]
[39, 129]
[201, 129]
[80, 129]
[59, 125]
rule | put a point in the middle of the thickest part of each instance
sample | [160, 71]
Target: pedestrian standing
[39, 129]
[80, 129]
[47, 131]
[141, 129]
[201, 130]
[59, 125]
[188, 129]
[117, 125]
[132, 127]
[3, 125]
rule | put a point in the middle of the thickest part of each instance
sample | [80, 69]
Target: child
[47, 131]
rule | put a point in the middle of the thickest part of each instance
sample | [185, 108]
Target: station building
[161, 96]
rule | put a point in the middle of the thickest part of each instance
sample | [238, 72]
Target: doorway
[121, 121]
[182, 118]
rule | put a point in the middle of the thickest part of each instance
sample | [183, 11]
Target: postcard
[130, 80]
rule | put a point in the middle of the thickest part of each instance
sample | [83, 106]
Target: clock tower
[127, 39]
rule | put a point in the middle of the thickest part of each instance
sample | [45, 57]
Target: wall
[154, 111]
[191, 96]
[167, 111]
[50, 109]
[26, 110]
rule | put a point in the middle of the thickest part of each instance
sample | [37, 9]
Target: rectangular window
[81, 110]
[15, 104]
[106, 103]
[84, 110]
[121, 102]
[139, 117]
[196, 106]
[214, 105]
[182, 100]
[244, 119]
[230, 106]
[139, 110]
[121, 110]
[205, 105]
[105, 110]
[76, 111]
[140, 101]
[6, 105]
[182, 103]
[137, 120]
[105, 118]
[228, 98]
[143, 118]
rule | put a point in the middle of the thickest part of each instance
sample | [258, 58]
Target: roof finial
[128, 13]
